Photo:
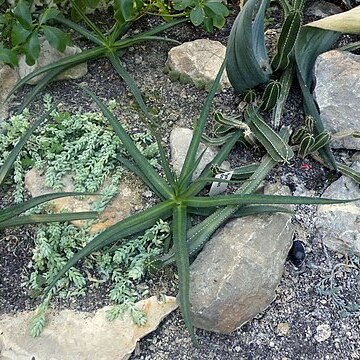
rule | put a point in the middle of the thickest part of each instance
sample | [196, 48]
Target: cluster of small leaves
[21, 29]
[123, 268]
[79, 144]
[330, 288]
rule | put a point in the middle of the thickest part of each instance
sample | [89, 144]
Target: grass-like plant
[180, 198]
[11, 216]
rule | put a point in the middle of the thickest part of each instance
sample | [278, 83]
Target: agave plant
[180, 199]
[11, 216]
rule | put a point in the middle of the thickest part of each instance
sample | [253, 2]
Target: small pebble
[282, 329]
[323, 332]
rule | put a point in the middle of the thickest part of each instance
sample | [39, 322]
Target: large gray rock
[235, 276]
[198, 62]
[339, 225]
[338, 95]
[8, 78]
[180, 139]
[49, 55]
[70, 335]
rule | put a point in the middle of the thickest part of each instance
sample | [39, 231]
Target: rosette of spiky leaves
[179, 200]
[11, 216]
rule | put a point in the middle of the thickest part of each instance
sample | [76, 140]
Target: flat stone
[121, 206]
[337, 93]
[180, 139]
[8, 78]
[71, 335]
[49, 55]
[198, 62]
[236, 274]
[338, 225]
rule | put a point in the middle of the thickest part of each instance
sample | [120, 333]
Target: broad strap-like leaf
[346, 22]
[179, 226]
[125, 228]
[143, 164]
[47, 218]
[245, 65]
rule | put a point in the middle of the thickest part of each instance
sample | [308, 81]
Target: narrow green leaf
[246, 210]
[47, 218]
[143, 164]
[81, 13]
[130, 82]
[179, 225]
[200, 126]
[348, 171]
[56, 38]
[8, 213]
[81, 30]
[235, 199]
[70, 61]
[9, 161]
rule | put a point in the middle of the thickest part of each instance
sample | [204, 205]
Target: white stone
[323, 332]
[338, 225]
[49, 55]
[70, 335]
[180, 139]
[198, 61]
